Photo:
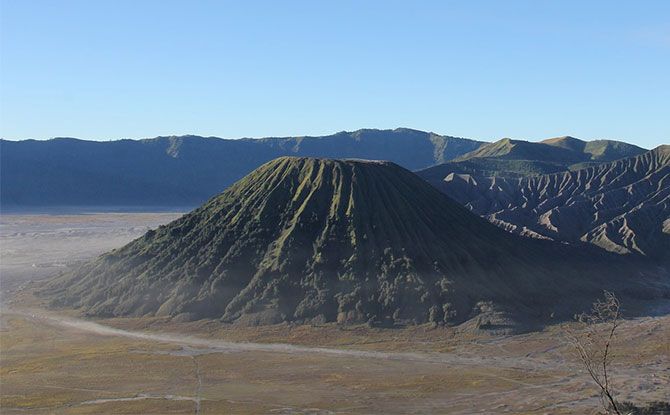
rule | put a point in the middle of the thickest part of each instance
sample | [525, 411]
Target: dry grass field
[49, 367]
[52, 363]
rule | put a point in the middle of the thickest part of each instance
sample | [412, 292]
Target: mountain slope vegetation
[491, 167]
[185, 171]
[562, 151]
[621, 206]
[596, 150]
[305, 240]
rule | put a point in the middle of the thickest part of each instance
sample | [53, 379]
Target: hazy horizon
[536, 139]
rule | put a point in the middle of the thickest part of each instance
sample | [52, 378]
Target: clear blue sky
[479, 69]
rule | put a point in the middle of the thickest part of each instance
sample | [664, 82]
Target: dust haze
[37, 246]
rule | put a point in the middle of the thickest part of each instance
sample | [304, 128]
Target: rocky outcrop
[304, 239]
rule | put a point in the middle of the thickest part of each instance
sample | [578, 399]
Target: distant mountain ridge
[561, 150]
[621, 206]
[187, 170]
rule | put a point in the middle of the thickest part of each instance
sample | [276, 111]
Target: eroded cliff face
[621, 206]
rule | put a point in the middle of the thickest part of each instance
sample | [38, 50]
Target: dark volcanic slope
[301, 239]
[183, 171]
[621, 206]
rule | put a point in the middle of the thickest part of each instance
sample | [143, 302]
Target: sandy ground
[56, 363]
[33, 247]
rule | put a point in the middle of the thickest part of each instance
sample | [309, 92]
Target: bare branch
[593, 343]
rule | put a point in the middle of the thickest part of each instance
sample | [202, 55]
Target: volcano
[318, 240]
